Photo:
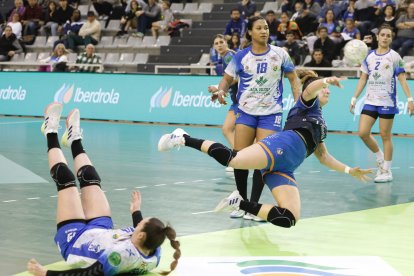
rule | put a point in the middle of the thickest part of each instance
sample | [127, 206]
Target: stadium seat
[274, 6]
[148, 41]
[42, 55]
[50, 40]
[72, 57]
[30, 57]
[126, 58]
[114, 25]
[83, 10]
[132, 42]
[190, 8]
[163, 40]
[106, 42]
[18, 58]
[119, 41]
[205, 8]
[111, 58]
[177, 7]
[141, 58]
[40, 42]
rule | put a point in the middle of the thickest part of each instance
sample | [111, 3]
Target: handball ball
[355, 52]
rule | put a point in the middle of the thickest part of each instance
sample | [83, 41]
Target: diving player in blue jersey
[85, 235]
[279, 154]
[260, 69]
[380, 71]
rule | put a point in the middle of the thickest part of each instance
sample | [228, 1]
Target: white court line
[395, 168]
[141, 187]
[53, 196]
[411, 167]
[332, 170]
[180, 182]
[214, 179]
[32, 198]
[314, 171]
[158, 185]
[199, 180]
[120, 189]
[14, 123]
[7, 201]
[204, 212]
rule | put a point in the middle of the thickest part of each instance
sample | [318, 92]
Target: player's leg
[385, 125]
[94, 201]
[229, 127]
[69, 205]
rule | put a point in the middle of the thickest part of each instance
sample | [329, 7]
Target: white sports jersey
[113, 249]
[260, 84]
[382, 73]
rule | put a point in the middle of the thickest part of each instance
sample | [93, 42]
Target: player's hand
[352, 105]
[360, 174]
[410, 108]
[220, 96]
[212, 88]
[135, 204]
[335, 81]
[35, 268]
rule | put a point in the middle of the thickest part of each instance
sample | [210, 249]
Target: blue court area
[183, 186]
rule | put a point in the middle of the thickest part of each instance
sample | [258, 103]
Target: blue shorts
[285, 152]
[386, 112]
[67, 235]
[235, 108]
[271, 122]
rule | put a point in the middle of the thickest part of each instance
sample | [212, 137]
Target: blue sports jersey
[260, 79]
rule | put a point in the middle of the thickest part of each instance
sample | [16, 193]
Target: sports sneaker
[172, 140]
[52, 118]
[237, 214]
[380, 165]
[73, 131]
[229, 169]
[231, 202]
[385, 176]
[248, 216]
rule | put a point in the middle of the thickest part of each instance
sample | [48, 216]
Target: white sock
[387, 165]
[379, 154]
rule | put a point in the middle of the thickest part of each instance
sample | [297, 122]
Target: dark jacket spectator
[326, 44]
[32, 18]
[319, 61]
[273, 24]
[292, 47]
[64, 12]
[307, 22]
[235, 25]
[9, 45]
[147, 16]
[247, 8]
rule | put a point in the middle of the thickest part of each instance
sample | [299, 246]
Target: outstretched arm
[360, 86]
[329, 161]
[37, 269]
[313, 89]
[135, 207]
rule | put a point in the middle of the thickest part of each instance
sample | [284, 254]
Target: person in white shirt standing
[380, 71]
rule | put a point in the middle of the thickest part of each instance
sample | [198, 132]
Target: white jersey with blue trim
[382, 73]
[260, 79]
[114, 250]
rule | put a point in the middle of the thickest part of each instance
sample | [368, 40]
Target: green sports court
[347, 227]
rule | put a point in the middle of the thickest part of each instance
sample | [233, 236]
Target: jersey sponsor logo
[114, 259]
[66, 93]
[70, 236]
[376, 75]
[279, 151]
[261, 81]
[13, 94]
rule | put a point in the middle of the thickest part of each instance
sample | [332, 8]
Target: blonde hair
[59, 46]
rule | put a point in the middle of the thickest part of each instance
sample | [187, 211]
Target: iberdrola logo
[161, 98]
[358, 107]
[64, 94]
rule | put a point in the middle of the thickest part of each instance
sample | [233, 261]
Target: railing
[211, 67]
[37, 64]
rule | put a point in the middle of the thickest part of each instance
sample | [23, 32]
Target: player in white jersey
[380, 71]
[260, 69]
[85, 235]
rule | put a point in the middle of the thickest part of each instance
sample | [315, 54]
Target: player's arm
[37, 269]
[294, 83]
[135, 207]
[313, 89]
[223, 87]
[325, 158]
[360, 86]
[403, 80]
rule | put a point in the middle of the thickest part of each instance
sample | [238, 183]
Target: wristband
[347, 169]
[325, 81]
[410, 99]
[218, 92]
[353, 100]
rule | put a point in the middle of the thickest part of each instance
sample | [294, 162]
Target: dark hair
[322, 28]
[234, 9]
[270, 12]
[290, 32]
[306, 77]
[90, 13]
[250, 24]
[156, 232]
[392, 7]
[385, 26]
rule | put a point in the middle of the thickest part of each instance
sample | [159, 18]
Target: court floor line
[15, 123]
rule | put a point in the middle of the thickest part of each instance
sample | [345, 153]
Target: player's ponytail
[171, 235]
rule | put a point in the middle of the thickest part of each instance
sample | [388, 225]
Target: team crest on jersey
[279, 151]
[114, 258]
[261, 81]
[376, 75]
[275, 68]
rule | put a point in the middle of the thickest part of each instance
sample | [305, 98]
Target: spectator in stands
[166, 18]
[57, 60]
[63, 14]
[90, 32]
[16, 25]
[89, 57]
[292, 47]
[387, 17]
[103, 8]
[312, 8]
[307, 22]
[150, 14]
[326, 44]
[32, 18]
[288, 6]
[349, 11]
[380, 5]
[9, 45]
[235, 42]
[51, 25]
[364, 16]
[404, 41]
[333, 27]
[129, 20]
[285, 26]
[18, 8]
[350, 30]
[71, 27]
[318, 60]
[273, 24]
[235, 25]
[247, 9]
[330, 5]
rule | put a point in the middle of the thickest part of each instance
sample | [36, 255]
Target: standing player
[260, 69]
[85, 235]
[380, 69]
[278, 155]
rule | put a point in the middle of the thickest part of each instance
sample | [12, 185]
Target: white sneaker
[385, 176]
[73, 131]
[237, 214]
[380, 165]
[229, 169]
[258, 219]
[52, 118]
[172, 140]
[248, 216]
[231, 202]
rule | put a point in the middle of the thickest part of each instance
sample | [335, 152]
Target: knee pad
[221, 153]
[62, 176]
[281, 217]
[88, 176]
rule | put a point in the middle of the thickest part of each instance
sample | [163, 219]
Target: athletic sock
[387, 165]
[52, 141]
[379, 155]
[241, 182]
[77, 148]
[257, 186]
[250, 207]
[193, 142]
